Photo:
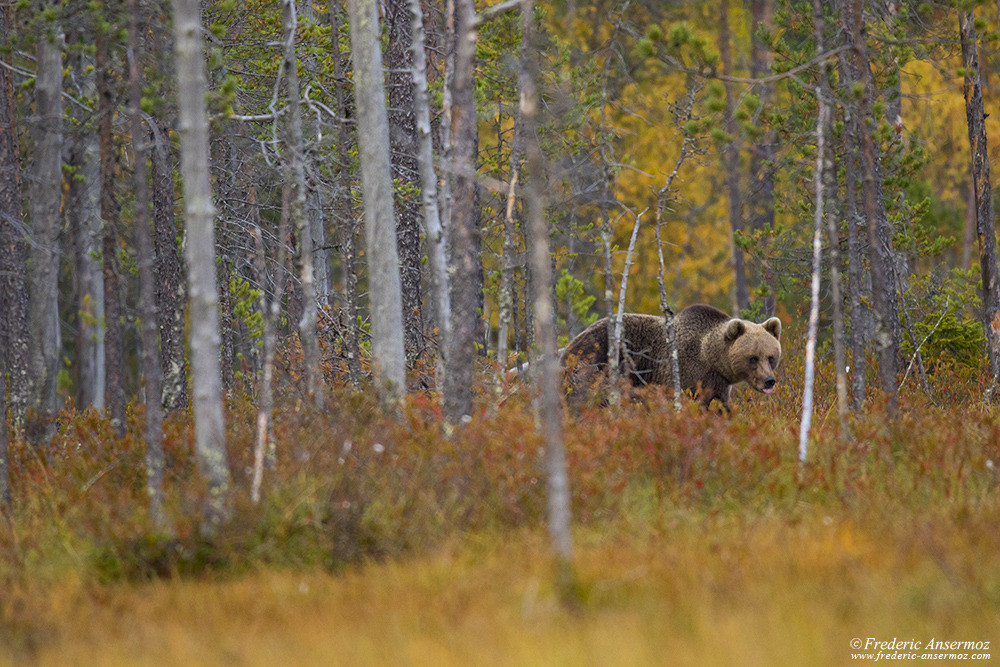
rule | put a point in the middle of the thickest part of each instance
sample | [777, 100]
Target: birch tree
[976, 117]
[149, 360]
[344, 206]
[83, 212]
[114, 365]
[463, 263]
[206, 379]
[296, 176]
[547, 390]
[822, 128]
[433, 229]
[380, 217]
[45, 205]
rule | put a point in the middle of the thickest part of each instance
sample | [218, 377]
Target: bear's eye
[753, 361]
[770, 360]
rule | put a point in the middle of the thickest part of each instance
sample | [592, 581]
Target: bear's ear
[734, 329]
[773, 327]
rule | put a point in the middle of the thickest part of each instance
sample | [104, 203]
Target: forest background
[520, 175]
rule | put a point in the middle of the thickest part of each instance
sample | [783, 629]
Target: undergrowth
[352, 485]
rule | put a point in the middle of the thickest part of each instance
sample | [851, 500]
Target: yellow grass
[685, 589]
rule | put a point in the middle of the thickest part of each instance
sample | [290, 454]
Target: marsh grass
[700, 539]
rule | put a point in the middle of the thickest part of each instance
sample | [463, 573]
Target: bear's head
[754, 352]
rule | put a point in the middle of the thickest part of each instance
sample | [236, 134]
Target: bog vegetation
[297, 442]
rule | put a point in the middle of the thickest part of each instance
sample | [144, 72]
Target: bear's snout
[769, 385]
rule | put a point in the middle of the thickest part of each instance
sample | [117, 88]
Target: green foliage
[944, 320]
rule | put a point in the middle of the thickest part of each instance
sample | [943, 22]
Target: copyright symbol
[855, 643]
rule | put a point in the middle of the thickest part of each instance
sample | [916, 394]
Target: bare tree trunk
[43, 267]
[14, 334]
[741, 297]
[668, 312]
[265, 449]
[380, 217]
[462, 230]
[435, 233]
[507, 286]
[879, 236]
[855, 260]
[296, 175]
[548, 391]
[209, 423]
[6, 499]
[976, 117]
[345, 208]
[403, 151]
[829, 177]
[170, 293]
[114, 366]
[819, 179]
[83, 210]
[149, 360]
[760, 193]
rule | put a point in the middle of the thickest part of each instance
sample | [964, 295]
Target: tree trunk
[507, 286]
[296, 176]
[345, 209]
[14, 334]
[83, 210]
[435, 234]
[209, 424]
[548, 390]
[976, 117]
[403, 150]
[114, 365]
[819, 179]
[149, 360]
[741, 297]
[760, 195]
[879, 234]
[462, 230]
[170, 293]
[829, 177]
[388, 355]
[43, 267]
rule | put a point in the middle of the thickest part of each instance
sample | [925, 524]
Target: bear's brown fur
[714, 352]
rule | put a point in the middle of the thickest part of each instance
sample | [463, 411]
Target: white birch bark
[203, 296]
[380, 217]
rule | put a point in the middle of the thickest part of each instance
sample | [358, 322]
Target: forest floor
[678, 589]
[700, 540]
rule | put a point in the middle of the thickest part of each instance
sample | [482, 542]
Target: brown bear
[714, 352]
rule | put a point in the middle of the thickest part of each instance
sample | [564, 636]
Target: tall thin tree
[45, 206]
[976, 117]
[296, 176]
[548, 391]
[114, 364]
[209, 422]
[14, 334]
[462, 231]
[149, 360]
[380, 217]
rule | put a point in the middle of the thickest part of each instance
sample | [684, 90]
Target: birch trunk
[46, 191]
[380, 217]
[209, 424]
[548, 390]
[149, 360]
[114, 366]
[296, 176]
[463, 264]
[345, 210]
[435, 233]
